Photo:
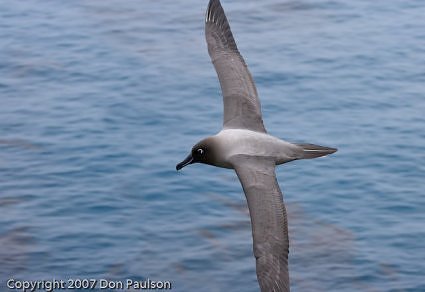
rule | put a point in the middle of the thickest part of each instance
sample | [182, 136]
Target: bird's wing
[242, 109]
[268, 220]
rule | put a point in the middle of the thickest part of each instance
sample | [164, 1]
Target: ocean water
[100, 99]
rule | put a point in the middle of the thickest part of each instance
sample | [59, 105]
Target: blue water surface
[100, 99]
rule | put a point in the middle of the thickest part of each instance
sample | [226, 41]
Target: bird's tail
[313, 151]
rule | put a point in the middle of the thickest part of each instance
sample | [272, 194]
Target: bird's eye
[200, 151]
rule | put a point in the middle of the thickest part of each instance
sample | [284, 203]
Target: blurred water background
[100, 99]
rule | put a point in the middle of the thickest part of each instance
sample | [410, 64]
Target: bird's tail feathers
[314, 151]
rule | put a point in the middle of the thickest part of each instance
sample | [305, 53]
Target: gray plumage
[268, 220]
[244, 145]
[242, 109]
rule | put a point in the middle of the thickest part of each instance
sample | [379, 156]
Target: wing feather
[268, 219]
[242, 109]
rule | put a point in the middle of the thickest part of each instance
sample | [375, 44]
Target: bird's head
[202, 152]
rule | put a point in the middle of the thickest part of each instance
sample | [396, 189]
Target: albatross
[245, 146]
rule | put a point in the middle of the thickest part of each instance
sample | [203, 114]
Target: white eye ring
[200, 151]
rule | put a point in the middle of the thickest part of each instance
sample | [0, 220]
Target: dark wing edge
[268, 219]
[242, 108]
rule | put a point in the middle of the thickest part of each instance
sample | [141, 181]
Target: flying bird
[245, 146]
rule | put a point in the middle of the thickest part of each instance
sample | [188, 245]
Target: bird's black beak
[188, 160]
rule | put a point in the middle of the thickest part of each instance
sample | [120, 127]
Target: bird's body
[245, 146]
[236, 142]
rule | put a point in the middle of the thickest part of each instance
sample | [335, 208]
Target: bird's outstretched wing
[268, 220]
[242, 109]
